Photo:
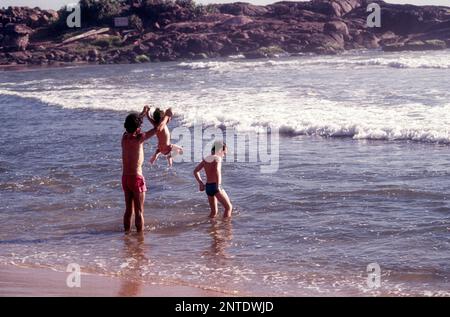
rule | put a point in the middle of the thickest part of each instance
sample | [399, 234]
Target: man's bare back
[132, 154]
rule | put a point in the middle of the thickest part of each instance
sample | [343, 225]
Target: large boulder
[16, 37]
[342, 7]
[197, 45]
[336, 8]
[325, 44]
[338, 27]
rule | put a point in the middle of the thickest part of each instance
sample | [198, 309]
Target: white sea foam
[309, 115]
[256, 93]
[439, 60]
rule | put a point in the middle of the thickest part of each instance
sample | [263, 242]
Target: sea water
[363, 175]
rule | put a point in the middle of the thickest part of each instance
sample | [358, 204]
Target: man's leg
[139, 199]
[128, 211]
[226, 203]
[213, 205]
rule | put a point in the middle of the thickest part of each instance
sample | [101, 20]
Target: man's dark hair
[132, 122]
[213, 149]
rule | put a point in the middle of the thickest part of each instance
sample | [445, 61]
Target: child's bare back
[163, 137]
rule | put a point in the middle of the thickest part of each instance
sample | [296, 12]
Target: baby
[164, 146]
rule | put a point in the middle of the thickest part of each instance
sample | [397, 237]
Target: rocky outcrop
[182, 30]
[15, 37]
[30, 17]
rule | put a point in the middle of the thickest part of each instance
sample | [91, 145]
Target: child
[213, 169]
[164, 146]
[133, 181]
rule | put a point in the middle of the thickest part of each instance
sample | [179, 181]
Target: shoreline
[62, 65]
[40, 282]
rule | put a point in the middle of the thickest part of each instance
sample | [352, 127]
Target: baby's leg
[155, 156]
[226, 203]
[213, 205]
[177, 148]
[170, 160]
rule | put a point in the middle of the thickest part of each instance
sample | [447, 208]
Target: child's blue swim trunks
[212, 189]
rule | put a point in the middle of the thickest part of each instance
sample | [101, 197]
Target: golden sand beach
[18, 282]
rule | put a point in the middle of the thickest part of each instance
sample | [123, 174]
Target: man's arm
[144, 112]
[198, 177]
[151, 120]
[149, 117]
[148, 134]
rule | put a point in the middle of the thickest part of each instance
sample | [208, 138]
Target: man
[133, 181]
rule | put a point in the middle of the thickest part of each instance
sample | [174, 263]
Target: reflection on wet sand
[134, 253]
[221, 236]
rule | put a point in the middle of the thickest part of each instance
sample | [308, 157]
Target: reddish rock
[236, 21]
[178, 30]
[242, 8]
[338, 27]
[141, 49]
[16, 37]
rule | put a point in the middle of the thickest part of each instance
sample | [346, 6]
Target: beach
[359, 178]
[41, 282]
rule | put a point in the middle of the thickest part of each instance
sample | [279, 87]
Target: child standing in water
[164, 146]
[213, 169]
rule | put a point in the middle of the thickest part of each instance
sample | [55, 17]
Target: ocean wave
[361, 132]
[383, 108]
[408, 60]
[311, 116]
[354, 131]
[231, 65]
[199, 65]
[405, 63]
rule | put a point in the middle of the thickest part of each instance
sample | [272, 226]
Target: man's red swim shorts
[134, 183]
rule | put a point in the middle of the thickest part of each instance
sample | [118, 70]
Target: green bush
[107, 42]
[99, 11]
[154, 8]
[93, 12]
[271, 50]
[142, 59]
[116, 40]
[103, 43]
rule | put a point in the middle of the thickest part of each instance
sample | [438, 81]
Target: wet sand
[18, 281]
